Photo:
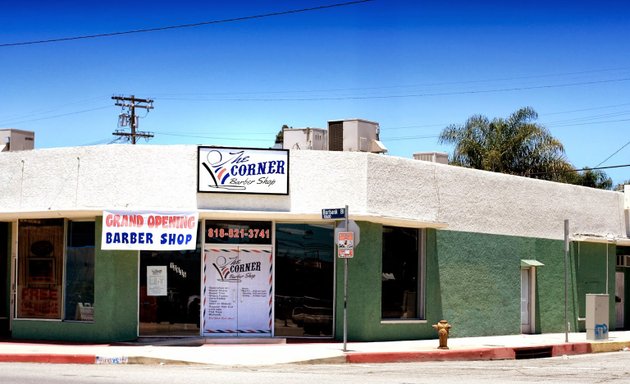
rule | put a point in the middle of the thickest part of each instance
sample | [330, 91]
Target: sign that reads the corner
[243, 170]
[149, 231]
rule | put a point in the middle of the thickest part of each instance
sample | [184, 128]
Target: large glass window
[402, 274]
[80, 271]
[41, 269]
[304, 280]
[40, 265]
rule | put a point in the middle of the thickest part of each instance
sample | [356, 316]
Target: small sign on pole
[333, 213]
[345, 245]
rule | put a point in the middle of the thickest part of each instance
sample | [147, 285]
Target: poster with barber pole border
[237, 290]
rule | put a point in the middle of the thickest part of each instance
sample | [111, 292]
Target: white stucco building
[463, 233]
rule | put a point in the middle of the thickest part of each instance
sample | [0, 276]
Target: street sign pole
[566, 280]
[346, 240]
[345, 295]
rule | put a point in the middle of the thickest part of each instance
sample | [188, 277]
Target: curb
[609, 346]
[571, 349]
[47, 358]
[436, 355]
[497, 353]
[143, 360]
[464, 354]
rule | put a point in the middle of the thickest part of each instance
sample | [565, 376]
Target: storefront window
[170, 298]
[40, 267]
[401, 288]
[80, 271]
[304, 280]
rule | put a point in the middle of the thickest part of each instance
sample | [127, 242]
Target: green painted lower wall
[473, 280]
[115, 304]
[364, 295]
[481, 284]
[590, 267]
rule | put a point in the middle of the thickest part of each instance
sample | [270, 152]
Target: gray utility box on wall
[597, 316]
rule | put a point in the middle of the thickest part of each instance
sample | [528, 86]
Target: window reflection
[400, 275]
[304, 280]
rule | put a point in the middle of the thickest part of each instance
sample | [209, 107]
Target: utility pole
[128, 116]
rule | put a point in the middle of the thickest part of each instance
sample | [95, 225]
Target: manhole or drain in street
[532, 352]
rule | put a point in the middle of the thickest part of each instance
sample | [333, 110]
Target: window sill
[403, 321]
[36, 319]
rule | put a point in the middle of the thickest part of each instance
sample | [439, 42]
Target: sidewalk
[260, 352]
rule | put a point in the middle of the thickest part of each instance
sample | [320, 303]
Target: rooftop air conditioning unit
[354, 135]
[16, 140]
[305, 138]
[434, 157]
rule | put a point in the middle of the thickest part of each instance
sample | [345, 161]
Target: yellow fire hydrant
[442, 328]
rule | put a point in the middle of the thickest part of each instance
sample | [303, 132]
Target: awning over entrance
[531, 263]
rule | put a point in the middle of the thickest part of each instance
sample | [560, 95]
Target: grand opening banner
[243, 170]
[149, 231]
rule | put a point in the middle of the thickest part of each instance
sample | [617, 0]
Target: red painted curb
[47, 358]
[437, 355]
[571, 349]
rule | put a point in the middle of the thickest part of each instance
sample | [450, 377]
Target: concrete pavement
[260, 352]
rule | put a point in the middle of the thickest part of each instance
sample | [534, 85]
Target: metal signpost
[345, 250]
[566, 280]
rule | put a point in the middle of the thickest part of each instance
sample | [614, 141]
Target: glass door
[305, 278]
[238, 288]
[170, 284]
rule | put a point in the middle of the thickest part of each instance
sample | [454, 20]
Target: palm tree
[516, 145]
[594, 178]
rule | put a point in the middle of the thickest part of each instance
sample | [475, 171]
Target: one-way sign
[333, 213]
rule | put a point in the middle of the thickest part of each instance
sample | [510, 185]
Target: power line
[211, 137]
[54, 116]
[48, 110]
[401, 96]
[191, 25]
[164, 96]
[588, 109]
[614, 153]
[591, 117]
[579, 170]
[586, 123]
[411, 137]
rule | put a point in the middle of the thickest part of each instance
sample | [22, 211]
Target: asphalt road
[589, 368]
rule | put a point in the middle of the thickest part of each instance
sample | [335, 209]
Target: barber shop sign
[243, 170]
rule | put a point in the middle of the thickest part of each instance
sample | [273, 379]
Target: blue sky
[413, 66]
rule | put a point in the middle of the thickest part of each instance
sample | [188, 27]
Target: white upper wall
[479, 201]
[56, 182]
